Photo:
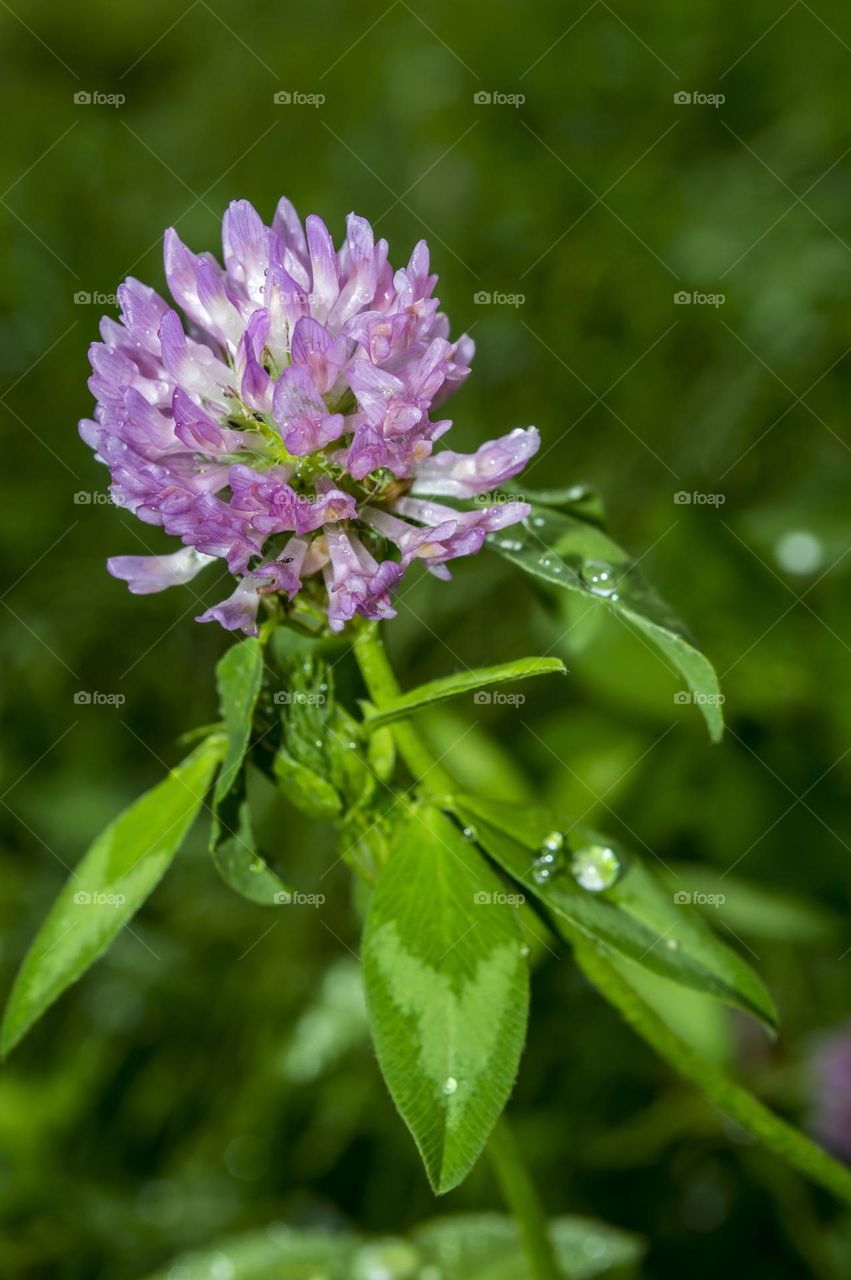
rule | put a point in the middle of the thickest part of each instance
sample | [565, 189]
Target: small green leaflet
[114, 878]
[567, 552]
[239, 677]
[728, 1096]
[447, 991]
[637, 917]
[461, 682]
[306, 790]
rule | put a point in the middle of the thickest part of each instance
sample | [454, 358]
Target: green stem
[522, 1199]
[516, 1185]
[380, 680]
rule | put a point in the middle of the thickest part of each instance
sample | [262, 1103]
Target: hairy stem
[517, 1187]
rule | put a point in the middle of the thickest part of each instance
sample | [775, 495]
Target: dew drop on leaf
[600, 577]
[595, 867]
[450, 1084]
[547, 865]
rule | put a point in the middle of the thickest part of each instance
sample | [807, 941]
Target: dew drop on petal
[595, 867]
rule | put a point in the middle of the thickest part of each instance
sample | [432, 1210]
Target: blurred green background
[212, 1075]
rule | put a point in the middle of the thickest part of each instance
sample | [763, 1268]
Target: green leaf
[461, 682]
[781, 1138]
[447, 991]
[579, 499]
[570, 553]
[239, 677]
[309, 792]
[235, 854]
[637, 917]
[114, 878]
[487, 1246]
[755, 910]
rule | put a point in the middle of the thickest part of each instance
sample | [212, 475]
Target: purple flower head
[286, 424]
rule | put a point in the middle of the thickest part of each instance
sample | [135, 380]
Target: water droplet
[600, 577]
[525, 949]
[547, 865]
[672, 944]
[255, 867]
[509, 544]
[554, 842]
[545, 562]
[469, 833]
[799, 551]
[539, 521]
[353, 746]
[595, 867]
[450, 1084]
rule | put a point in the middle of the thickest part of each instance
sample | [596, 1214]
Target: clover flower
[286, 428]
